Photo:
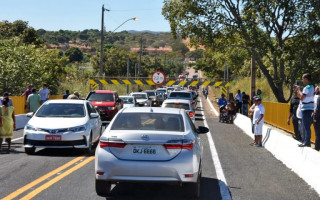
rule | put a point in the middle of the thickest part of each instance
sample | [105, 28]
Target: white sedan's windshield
[61, 110]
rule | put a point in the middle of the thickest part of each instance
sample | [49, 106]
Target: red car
[107, 102]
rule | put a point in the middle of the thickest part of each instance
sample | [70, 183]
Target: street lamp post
[102, 38]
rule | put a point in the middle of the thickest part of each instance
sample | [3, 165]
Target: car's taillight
[182, 144]
[104, 144]
[192, 102]
[191, 114]
[176, 102]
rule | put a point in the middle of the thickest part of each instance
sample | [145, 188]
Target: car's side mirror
[202, 129]
[30, 114]
[94, 115]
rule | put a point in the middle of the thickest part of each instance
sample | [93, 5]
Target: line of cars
[158, 144]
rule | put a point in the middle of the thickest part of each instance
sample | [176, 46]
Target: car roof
[105, 91]
[152, 110]
[127, 96]
[148, 91]
[176, 100]
[67, 101]
[138, 93]
[182, 91]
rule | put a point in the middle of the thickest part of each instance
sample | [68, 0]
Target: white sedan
[63, 124]
[150, 144]
[128, 101]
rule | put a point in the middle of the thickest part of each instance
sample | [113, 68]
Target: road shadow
[159, 191]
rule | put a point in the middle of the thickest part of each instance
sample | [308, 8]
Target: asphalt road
[250, 172]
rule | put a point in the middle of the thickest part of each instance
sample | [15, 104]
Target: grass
[243, 84]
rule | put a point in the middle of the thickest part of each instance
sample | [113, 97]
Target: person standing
[75, 95]
[65, 96]
[306, 97]
[33, 101]
[6, 94]
[251, 111]
[316, 119]
[27, 92]
[7, 124]
[245, 102]
[238, 99]
[258, 120]
[44, 93]
[294, 104]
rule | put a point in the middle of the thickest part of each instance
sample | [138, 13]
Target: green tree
[22, 64]
[265, 29]
[74, 54]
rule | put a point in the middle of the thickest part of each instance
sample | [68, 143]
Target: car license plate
[53, 137]
[144, 150]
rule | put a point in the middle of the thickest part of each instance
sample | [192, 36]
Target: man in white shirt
[44, 93]
[238, 99]
[306, 96]
[258, 120]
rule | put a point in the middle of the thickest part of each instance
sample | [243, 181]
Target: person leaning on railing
[294, 104]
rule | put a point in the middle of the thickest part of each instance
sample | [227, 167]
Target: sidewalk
[304, 161]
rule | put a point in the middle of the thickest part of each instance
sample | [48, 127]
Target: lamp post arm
[134, 19]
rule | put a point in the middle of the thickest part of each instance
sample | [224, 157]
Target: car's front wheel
[103, 188]
[88, 150]
[30, 150]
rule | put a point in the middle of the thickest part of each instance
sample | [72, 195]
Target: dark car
[107, 102]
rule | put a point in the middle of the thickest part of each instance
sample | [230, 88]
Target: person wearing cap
[75, 95]
[7, 123]
[33, 101]
[258, 120]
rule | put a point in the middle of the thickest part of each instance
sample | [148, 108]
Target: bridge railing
[19, 103]
[277, 115]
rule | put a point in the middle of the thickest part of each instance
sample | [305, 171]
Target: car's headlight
[77, 128]
[31, 128]
[111, 108]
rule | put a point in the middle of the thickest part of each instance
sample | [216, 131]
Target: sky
[78, 15]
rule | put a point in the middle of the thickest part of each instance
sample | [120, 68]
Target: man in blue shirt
[222, 101]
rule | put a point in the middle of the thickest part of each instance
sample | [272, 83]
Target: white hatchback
[63, 124]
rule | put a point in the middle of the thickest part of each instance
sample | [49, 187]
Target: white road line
[13, 140]
[224, 190]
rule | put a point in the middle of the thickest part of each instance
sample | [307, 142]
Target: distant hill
[147, 31]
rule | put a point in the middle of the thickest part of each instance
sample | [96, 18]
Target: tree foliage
[22, 64]
[280, 35]
[74, 54]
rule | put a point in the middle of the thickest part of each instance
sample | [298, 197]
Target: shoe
[258, 145]
[304, 145]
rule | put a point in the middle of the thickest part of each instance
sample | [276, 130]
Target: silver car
[150, 144]
[181, 104]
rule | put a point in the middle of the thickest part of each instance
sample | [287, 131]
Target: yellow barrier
[19, 103]
[277, 115]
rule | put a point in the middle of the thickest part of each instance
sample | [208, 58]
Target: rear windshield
[101, 97]
[177, 105]
[140, 96]
[180, 94]
[127, 100]
[148, 121]
[61, 110]
[151, 93]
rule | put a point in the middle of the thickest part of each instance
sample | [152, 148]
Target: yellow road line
[56, 179]
[39, 180]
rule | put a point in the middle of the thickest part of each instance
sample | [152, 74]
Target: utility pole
[139, 67]
[253, 77]
[101, 45]
[128, 65]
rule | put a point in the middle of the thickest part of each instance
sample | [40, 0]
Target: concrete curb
[304, 161]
